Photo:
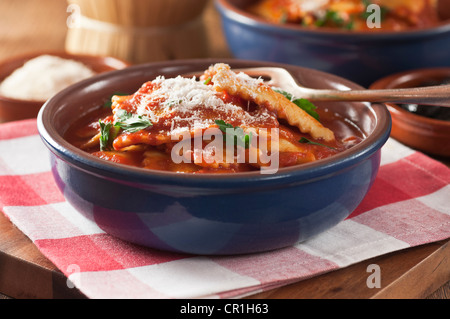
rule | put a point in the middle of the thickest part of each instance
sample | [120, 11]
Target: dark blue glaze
[360, 57]
[206, 218]
[210, 213]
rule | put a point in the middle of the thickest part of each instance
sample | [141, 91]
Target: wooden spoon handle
[431, 95]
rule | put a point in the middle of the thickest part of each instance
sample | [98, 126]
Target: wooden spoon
[281, 78]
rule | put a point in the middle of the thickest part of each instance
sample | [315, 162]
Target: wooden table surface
[30, 25]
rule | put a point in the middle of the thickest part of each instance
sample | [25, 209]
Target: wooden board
[24, 271]
[411, 273]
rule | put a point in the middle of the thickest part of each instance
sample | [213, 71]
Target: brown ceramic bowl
[15, 109]
[426, 134]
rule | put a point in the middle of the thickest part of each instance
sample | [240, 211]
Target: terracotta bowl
[15, 109]
[426, 134]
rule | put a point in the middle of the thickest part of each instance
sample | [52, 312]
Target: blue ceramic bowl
[210, 214]
[361, 57]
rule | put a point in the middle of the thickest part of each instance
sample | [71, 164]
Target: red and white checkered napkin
[407, 206]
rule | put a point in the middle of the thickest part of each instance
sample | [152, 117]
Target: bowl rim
[324, 167]
[59, 53]
[237, 14]
[405, 116]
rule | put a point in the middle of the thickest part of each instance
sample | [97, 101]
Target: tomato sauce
[187, 126]
[146, 152]
[394, 15]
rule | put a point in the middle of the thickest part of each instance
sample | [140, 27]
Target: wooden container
[138, 31]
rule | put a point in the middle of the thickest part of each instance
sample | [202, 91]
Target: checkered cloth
[407, 206]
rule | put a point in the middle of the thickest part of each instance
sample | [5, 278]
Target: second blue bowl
[361, 57]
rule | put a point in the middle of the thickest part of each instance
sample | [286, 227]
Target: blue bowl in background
[361, 57]
[210, 214]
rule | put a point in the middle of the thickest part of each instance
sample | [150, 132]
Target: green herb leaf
[308, 107]
[239, 136]
[350, 25]
[242, 139]
[104, 135]
[304, 104]
[108, 132]
[130, 122]
[333, 18]
[223, 125]
[330, 17]
[284, 17]
[207, 81]
[308, 141]
[172, 103]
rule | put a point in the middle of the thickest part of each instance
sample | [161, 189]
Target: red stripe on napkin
[18, 129]
[278, 265]
[410, 221]
[29, 190]
[100, 252]
[413, 176]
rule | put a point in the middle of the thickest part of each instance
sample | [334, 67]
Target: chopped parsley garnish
[223, 125]
[307, 106]
[207, 81]
[330, 16]
[284, 17]
[126, 121]
[333, 18]
[130, 122]
[172, 103]
[350, 25]
[108, 133]
[304, 104]
[308, 141]
[240, 138]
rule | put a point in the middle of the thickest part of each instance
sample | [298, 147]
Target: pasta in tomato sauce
[165, 123]
[395, 15]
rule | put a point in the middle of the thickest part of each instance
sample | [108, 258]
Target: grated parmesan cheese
[310, 5]
[42, 77]
[185, 100]
[186, 93]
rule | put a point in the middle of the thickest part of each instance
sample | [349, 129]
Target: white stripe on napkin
[23, 155]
